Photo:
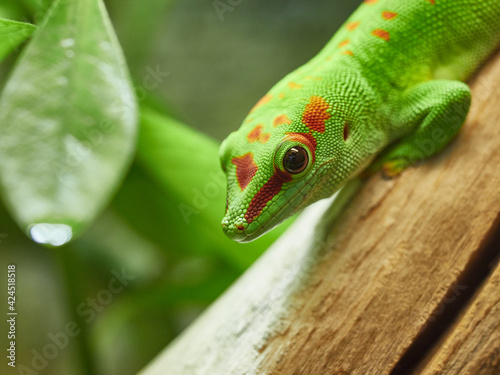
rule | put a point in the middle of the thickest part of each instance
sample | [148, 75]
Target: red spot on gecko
[433, 2]
[371, 1]
[281, 120]
[382, 34]
[245, 169]
[344, 43]
[351, 26]
[348, 52]
[265, 99]
[315, 114]
[257, 135]
[294, 85]
[281, 95]
[389, 15]
[271, 188]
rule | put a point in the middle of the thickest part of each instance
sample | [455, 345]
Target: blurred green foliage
[155, 256]
[12, 34]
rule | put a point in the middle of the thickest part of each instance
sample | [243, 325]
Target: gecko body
[389, 85]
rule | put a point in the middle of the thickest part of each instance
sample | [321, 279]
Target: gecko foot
[393, 168]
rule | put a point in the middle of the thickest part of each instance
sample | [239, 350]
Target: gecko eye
[295, 160]
[293, 156]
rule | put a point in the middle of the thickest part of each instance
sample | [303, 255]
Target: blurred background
[135, 280]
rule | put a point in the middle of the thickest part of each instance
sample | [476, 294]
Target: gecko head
[286, 155]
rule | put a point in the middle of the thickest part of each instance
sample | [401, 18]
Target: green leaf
[37, 7]
[176, 194]
[67, 123]
[12, 34]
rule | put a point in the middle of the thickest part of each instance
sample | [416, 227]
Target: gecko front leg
[434, 111]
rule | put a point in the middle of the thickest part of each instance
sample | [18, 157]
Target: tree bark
[403, 279]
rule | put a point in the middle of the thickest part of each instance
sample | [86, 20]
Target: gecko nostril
[240, 228]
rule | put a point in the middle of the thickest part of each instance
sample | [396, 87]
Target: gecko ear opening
[346, 131]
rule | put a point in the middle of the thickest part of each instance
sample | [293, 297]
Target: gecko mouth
[258, 228]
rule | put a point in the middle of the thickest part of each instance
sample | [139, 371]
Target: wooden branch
[473, 344]
[378, 290]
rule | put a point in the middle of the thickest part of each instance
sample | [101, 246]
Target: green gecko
[388, 85]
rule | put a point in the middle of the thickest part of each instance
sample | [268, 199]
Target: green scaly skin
[389, 83]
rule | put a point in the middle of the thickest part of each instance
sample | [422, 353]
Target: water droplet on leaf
[51, 234]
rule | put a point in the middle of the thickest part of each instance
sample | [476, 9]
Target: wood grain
[473, 344]
[373, 292]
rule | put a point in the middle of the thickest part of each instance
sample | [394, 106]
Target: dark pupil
[295, 160]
